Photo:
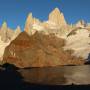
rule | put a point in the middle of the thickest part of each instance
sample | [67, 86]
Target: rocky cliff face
[4, 33]
[81, 24]
[55, 23]
[31, 22]
[39, 50]
[16, 32]
[6, 36]
[57, 18]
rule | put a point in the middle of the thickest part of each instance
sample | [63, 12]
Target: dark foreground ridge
[11, 79]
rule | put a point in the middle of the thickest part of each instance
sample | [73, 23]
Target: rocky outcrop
[16, 32]
[6, 33]
[57, 17]
[10, 33]
[30, 23]
[6, 36]
[39, 50]
[81, 24]
[56, 23]
[4, 30]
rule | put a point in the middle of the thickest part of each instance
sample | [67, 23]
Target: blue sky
[14, 12]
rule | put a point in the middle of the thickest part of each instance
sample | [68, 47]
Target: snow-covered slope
[79, 42]
[3, 45]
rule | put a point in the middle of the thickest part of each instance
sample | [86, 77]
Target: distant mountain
[6, 36]
[16, 32]
[57, 18]
[6, 33]
[81, 24]
[56, 24]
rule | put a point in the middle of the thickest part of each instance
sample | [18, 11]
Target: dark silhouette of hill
[9, 77]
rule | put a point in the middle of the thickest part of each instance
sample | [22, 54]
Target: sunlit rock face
[16, 32]
[6, 36]
[57, 18]
[81, 24]
[39, 50]
[28, 23]
[32, 24]
[55, 24]
[6, 33]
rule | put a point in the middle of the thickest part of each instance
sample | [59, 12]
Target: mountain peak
[57, 17]
[81, 23]
[18, 28]
[29, 16]
[4, 30]
[28, 22]
[56, 10]
[4, 24]
[16, 32]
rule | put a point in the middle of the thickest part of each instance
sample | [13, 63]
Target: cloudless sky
[15, 12]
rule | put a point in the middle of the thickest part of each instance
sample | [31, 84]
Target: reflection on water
[65, 75]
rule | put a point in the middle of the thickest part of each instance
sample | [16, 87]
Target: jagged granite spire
[81, 23]
[28, 23]
[4, 30]
[16, 32]
[57, 17]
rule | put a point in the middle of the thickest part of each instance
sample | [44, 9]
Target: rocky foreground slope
[39, 50]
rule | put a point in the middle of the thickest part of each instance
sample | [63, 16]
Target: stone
[57, 17]
[39, 50]
[81, 24]
[4, 30]
[17, 32]
[30, 23]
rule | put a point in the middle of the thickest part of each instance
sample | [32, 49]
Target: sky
[15, 12]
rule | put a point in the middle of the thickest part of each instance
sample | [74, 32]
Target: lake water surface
[62, 75]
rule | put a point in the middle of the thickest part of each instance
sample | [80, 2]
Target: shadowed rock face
[39, 51]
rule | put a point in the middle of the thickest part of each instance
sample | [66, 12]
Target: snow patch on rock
[80, 43]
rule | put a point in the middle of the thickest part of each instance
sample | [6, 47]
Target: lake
[61, 75]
